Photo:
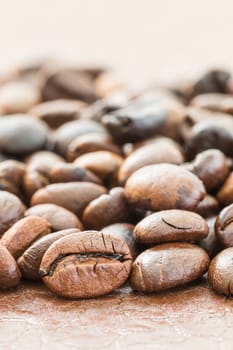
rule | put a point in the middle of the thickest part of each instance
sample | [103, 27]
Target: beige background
[140, 38]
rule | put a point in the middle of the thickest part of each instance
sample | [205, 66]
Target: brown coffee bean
[18, 97]
[69, 131]
[135, 122]
[90, 143]
[12, 171]
[106, 209]
[102, 163]
[58, 217]
[33, 181]
[43, 162]
[208, 206]
[9, 272]
[215, 80]
[21, 134]
[125, 232]
[171, 226]
[11, 210]
[162, 150]
[224, 226]
[210, 244]
[168, 265]
[214, 102]
[225, 193]
[74, 196]
[23, 233]
[220, 274]
[58, 112]
[66, 172]
[211, 167]
[30, 260]
[164, 186]
[108, 83]
[86, 264]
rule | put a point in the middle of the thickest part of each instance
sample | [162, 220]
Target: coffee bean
[12, 171]
[211, 244]
[161, 150]
[214, 102]
[74, 196]
[21, 134]
[224, 226]
[212, 81]
[33, 181]
[23, 233]
[11, 210]
[225, 193]
[171, 226]
[29, 261]
[43, 162]
[58, 217]
[164, 186]
[87, 264]
[168, 265]
[9, 272]
[208, 207]
[106, 209]
[220, 272]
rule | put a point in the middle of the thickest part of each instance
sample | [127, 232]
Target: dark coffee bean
[69, 131]
[214, 102]
[9, 272]
[23, 233]
[220, 273]
[168, 265]
[66, 172]
[74, 196]
[212, 81]
[90, 143]
[74, 269]
[210, 244]
[106, 209]
[43, 162]
[164, 186]
[162, 150]
[125, 232]
[225, 193]
[21, 134]
[58, 217]
[11, 210]
[211, 167]
[171, 226]
[135, 122]
[58, 112]
[208, 206]
[33, 181]
[224, 226]
[30, 260]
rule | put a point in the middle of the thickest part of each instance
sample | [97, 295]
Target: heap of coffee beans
[100, 183]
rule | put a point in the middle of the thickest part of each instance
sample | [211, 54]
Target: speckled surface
[186, 318]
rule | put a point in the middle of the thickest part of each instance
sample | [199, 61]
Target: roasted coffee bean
[30, 260]
[43, 162]
[23, 233]
[69, 131]
[171, 226]
[225, 193]
[164, 186]
[215, 80]
[168, 265]
[220, 274]
[90, 143]
[106, 209]
[86, 264]
[135, 122]
[107, 83]
[66, 172]
[11, 210]
[125, 232]
[224, 226]
[5, 185]
[12, 171]
[211, 244]
[9, 272]
[211, 167]
[33, 181]
[208, 206]
[161, 150]
[21, 134]
[74, 196]
[69, 83]
[214, 102]
[58, 112]
[18, 97]
[58, 217]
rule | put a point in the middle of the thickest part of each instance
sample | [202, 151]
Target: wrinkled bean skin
[171, 226]
[9, 272]
[86, 264]
[29, 261]
[224, 226]
[164, 186]
[220, 274]
[11, 210]
[168, 265]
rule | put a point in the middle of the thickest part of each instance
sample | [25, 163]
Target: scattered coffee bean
[9, 272]
[208, 207]
[224, 226]
[11, 210]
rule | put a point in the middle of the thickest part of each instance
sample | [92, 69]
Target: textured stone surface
[186, 318]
